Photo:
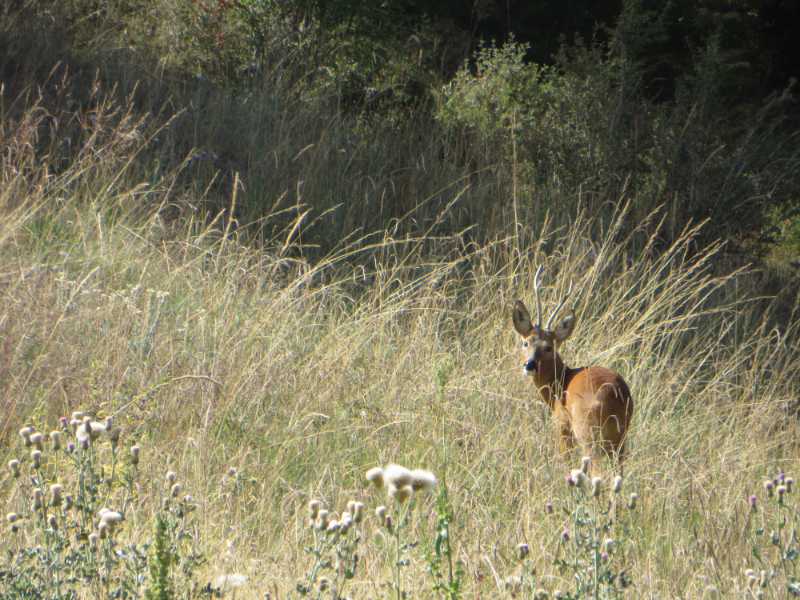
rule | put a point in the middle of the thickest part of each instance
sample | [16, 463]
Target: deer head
[540, 358]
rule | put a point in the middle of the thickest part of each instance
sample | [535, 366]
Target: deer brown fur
[591, 405]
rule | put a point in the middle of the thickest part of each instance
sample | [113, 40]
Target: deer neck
[551, 384]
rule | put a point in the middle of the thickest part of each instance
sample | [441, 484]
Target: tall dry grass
[118, 298]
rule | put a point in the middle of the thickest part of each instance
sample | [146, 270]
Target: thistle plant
[773, 535]
[333, 549]
[587, 546]
[401, 486]
[73, 489]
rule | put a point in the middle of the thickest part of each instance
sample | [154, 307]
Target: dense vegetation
[250, 250]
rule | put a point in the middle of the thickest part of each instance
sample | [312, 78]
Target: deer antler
[560, 306]
[538, 300]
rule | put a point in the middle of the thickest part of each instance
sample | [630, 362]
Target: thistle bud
[78, 416]
[565, 535]
[322, 519]
[358, 512]
[114, 436]
[67, 501]
[632, 502]
[25, 434]
[36, 455]
[523, 551]
[102, 529]
[780, 490]
[597, 485]
[176, 490]
[36, 440]
[548, 508]
[617, 486]
[313, 508]
[135, 455]
[111, 518]
[37, 499]
[769, 487]
[579, 477]
[171, 478]
[12, 518]
[586, 462]
[55, 437]
[13, 465]
[93, 547]
[764, 580]
[52, 522]
[380, 512]
[788, 483]
[55, 493]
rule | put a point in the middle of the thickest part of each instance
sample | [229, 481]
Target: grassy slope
[211, 355]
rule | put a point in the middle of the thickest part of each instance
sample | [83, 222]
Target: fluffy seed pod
[579, 477]
[375, 477]
[55, 437]
[78, 416]
[380, 512]
[171, 477]
[176, 490]
[313, 508]
[397, 476]
[13, 465]
[586, 462]
[111, 518]
[36, 456]
[52, 522]
[322, 520]
[93, 543]
[422, 481]
[617, 485]
[597, 486]
[102, 529]
[632, 502]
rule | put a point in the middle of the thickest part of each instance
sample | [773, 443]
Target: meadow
[259, 381]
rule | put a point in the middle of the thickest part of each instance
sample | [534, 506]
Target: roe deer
[590, 404]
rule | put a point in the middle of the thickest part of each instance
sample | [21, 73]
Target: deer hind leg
[566, 440]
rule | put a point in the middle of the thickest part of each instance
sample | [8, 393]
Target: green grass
[217, 351]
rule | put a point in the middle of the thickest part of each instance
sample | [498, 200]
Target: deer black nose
[530, 365]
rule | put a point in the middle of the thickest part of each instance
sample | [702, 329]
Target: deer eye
[525, 344]
[548, 349]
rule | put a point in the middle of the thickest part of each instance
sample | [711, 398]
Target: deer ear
[522, 320]
[565, 327]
